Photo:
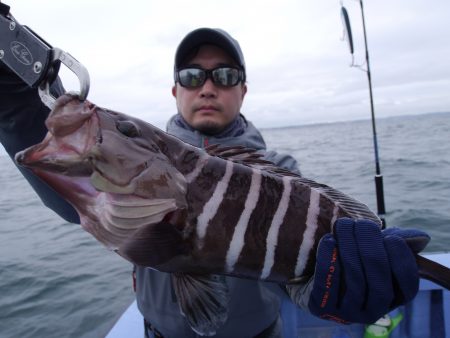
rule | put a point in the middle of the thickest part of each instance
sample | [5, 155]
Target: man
[209, 89]
[209, 113]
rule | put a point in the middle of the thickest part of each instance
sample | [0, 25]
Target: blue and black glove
[362, 272]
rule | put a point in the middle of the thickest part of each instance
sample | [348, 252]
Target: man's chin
[209, 127]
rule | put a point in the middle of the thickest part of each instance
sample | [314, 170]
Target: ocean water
[57, 281]
[414, 153]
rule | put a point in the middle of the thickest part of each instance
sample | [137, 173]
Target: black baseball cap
[212, 36]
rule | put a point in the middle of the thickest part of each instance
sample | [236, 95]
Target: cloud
[298, 67]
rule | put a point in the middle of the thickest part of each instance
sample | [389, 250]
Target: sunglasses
[194, 77]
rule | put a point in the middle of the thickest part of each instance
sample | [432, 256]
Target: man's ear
[244, 90]
[174, 90]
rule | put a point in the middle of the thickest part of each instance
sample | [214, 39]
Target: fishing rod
[378, 177]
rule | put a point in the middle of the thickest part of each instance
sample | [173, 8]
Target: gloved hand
[362, 272]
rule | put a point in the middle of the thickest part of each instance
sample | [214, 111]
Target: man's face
[209, 108]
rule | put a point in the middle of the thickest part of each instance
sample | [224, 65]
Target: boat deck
[427, 316]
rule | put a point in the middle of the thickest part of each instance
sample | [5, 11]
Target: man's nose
[209, 89]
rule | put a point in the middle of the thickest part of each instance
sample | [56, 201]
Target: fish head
[109, 166]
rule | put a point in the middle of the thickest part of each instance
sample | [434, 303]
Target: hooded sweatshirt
[253, 305]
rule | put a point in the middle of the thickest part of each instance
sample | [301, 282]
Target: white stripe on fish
[272, 236]
[335, 216]
[237, 242]
[212, 206]
[308, 235]
[198, 168]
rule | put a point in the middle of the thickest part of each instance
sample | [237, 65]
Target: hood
[250, 138]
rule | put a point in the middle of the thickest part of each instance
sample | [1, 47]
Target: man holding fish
[361, 272]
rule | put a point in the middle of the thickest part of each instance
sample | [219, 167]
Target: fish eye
[128, 128]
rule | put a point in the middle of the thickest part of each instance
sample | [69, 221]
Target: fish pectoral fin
[128, 215]
[203, 300]
[152, 245]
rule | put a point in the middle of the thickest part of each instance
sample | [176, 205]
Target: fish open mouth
[68, 166]
[73, 131]
[75, 189]
[74, 177]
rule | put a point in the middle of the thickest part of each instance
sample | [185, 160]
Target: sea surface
[57, 281]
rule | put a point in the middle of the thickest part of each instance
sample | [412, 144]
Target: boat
[427, 316]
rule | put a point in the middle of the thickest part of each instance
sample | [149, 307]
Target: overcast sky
[298, 65]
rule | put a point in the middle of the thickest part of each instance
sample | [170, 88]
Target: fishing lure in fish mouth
[162, 203]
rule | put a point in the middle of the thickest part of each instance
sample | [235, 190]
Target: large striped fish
[162, 203]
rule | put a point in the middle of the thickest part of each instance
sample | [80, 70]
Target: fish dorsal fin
[238, 153]
[203, 300]
[254, 159]
[353, 207]
[247, 156]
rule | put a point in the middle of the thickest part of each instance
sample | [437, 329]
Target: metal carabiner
[76, 67]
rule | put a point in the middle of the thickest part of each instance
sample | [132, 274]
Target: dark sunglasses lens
[191, 77]
[196, 77]
[225, 76]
